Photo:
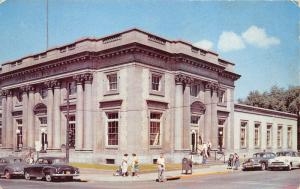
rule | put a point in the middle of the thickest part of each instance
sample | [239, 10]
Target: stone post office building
[131, 92]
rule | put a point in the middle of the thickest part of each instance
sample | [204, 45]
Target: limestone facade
[131, 92]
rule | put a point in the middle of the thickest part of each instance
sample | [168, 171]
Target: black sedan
[11, 166]
[258, 161]
[50, 168]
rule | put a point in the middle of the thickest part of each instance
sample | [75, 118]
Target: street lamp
[18, 132]
[44, 141]
[220, 140]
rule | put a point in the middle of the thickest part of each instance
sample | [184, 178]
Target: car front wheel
[27, 176]
[289, 167]
[48, 177]
[263, 166]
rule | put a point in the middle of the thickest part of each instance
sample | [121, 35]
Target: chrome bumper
[65, 175]
[18, 173]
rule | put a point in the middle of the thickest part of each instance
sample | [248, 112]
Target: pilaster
[207, 119]
[214, 116]
[9, 121]
[178, 132]
[4, 109]
[56, 115]
[49, 113]
[88, 132]
[79, 113]
[187, 114]
[30, 118]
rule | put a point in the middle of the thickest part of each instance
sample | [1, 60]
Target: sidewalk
[101, 175]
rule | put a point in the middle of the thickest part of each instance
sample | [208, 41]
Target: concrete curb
[199, 174]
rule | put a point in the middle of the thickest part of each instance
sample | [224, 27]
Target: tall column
[187, 114]
[178, 112]
[88, 131]
[214, 117]
[56, 116]
[4, 109]
[30, 118]
[79, 113]
[9, 121]
[25, 116]
[49, 114]
[207, 120]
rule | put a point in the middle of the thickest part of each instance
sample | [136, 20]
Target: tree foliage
[287, 100]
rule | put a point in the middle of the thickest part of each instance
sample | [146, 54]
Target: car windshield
[58, 161]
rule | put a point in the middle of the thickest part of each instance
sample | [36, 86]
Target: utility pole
[67, 128]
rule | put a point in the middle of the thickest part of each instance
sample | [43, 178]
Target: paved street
[245, 180]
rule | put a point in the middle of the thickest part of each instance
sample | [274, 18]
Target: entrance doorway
[194, 141]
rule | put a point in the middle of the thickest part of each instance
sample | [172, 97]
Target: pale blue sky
[261, 38]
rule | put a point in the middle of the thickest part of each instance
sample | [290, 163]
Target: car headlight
[286, 161]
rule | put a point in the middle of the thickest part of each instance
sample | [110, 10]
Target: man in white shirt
[161, 168]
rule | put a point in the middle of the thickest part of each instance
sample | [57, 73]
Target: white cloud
[229, 41]
[257, 36]
[2, 1]
[205, 44]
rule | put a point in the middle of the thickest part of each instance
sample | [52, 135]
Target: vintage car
[285, 160]
[50, 168]
[11, 166]
[258, 161]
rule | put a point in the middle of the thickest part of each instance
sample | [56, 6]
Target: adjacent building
[131, 92]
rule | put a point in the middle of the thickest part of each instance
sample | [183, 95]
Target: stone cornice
[263, 111]
[83, 56]
[134, 50]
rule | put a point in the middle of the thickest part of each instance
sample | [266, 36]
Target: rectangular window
[243, 134]
[195, 89]
[289, 137]
[195, 120]
[112, 128]
[257, 135]
[269, 135]
[43, 120]
[279, 137]
[112, 82]
[155, 130]
[72, 87]
[221, 96]
[155, 81]
[43, 92]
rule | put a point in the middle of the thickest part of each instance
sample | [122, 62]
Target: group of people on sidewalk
[233, 161]
[123, 169]
[204, 151]
[134, 164]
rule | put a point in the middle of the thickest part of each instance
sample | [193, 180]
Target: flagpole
[47, 43]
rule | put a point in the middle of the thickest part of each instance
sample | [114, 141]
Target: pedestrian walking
[161, 168]
[134, 165]
[236, 161]
[124, 165]
[208, 148]
[204, 153]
